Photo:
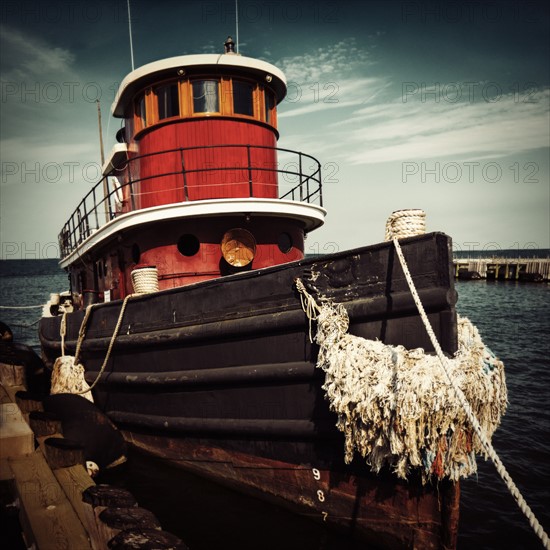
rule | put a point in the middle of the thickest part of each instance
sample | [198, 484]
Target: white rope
[405, 223]
[68, 373]
[537, 527]
[21, 307]
[63, 333]
[112, 342]
[145, 280]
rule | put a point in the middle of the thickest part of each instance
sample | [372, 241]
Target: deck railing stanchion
[95, 208]
[184, 172]
[300, 176]
[251, 190]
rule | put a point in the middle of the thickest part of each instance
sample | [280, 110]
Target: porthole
[284, 241]
[188, 245]
[238, 247]
[136, 253]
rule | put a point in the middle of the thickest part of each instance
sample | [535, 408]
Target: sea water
[514, 321]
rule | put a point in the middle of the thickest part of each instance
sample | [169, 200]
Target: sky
[442, 106]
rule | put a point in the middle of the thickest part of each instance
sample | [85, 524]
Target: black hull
[219, 377]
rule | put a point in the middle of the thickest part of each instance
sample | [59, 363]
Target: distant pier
[503, 269]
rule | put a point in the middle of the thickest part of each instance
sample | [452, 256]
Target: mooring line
[524, 507]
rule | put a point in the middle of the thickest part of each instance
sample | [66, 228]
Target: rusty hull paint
[376, 509]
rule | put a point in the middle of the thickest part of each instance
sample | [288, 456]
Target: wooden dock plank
[47, 512]
[16, 438]
[5, 470]
[12, 390]
[74, 481]
[12, 374]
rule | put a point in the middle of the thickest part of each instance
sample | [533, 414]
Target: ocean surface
[514, 321]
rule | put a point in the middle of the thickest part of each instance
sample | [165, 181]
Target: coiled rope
[145, 279]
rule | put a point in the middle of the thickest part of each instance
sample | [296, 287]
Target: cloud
[25, 57]
[335, 91]
[341, 59]
[397, 131]
[330, 95]
[328, 79]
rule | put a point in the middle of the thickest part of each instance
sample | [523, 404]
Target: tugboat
[188, 252]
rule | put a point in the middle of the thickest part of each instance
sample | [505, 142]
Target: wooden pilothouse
[196, 185]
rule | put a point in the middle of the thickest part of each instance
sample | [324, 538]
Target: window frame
[149, 99]
[192, 97]
[166, 84]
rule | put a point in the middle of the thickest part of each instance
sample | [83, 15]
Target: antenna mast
[130, 32]
[105, 182]
[236, 24]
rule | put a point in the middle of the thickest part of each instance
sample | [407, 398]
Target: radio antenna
[130, 32]
[236, 24]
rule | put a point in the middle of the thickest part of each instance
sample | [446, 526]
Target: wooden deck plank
[16, 438]
[5, 470]
[47, 512]
[74, 481]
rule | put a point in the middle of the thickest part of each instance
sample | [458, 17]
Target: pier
[47, 498]
[503, 269]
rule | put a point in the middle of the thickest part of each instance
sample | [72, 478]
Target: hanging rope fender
[518, 497]
[360, 419]
[68, 373]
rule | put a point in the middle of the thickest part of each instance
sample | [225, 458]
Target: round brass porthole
[238, 247]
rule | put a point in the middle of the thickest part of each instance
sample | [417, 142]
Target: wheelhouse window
[184, 98]
[140, 112]
[269, 106]
[205, 96]
[168, 103]
[243, 93]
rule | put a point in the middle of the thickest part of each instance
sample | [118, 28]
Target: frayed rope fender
[396, 406]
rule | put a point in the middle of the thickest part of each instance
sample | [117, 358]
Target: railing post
[320, 185]
[250, 188]
[300, 175]
[184, 173]
[86, 224]
[95, 208]
[73, 234]
[131, 186]
[108, 197]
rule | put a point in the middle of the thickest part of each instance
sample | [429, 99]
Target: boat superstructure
[197, 164]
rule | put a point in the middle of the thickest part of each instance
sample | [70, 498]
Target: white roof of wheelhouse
[159, 70]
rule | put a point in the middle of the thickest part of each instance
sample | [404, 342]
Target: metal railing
[301, 175]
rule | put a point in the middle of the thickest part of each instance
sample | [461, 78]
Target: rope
[63, 332]
[68, 373]
[29, 325]
[405, 223]
[22, 307]
[537, 527]
[145, 280]
[111, 343]
[82, 333]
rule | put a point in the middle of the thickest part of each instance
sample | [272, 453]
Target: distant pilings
[503, 269]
